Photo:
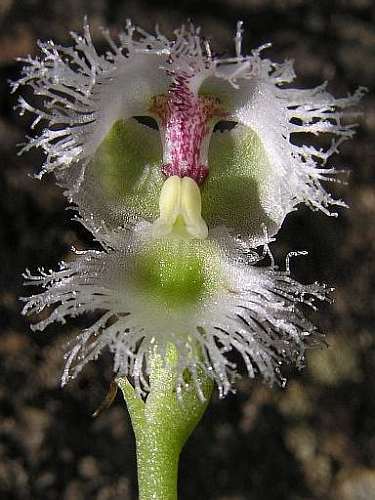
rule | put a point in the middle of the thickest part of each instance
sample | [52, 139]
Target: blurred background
[312, 440]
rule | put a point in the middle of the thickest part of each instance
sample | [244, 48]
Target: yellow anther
[180, 210]
[191, 207]
[169, 206]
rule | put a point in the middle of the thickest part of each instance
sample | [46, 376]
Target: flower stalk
[162, 424]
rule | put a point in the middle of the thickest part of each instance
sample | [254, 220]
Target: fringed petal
[182, 292]
[253, 90]
[189, 93]
[85, 93]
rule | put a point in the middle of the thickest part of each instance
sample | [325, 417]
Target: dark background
[313, 440]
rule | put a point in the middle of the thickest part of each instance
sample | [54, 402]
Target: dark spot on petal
[224, 125]
[148, 121]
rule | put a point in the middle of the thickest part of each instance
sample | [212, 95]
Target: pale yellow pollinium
[180, 210]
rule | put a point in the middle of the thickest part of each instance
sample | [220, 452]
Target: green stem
[162, 424]
[157, 458]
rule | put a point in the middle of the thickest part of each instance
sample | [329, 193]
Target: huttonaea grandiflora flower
[183, 165]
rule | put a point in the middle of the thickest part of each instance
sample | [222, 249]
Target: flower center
[186, 126]
[180, 210]
[173, 273]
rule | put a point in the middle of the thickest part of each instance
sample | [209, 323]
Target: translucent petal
[252, 91]
[242, 190]
[84, 94]
[123, 180]
[182, 292]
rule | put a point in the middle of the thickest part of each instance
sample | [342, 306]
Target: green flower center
[177, 273]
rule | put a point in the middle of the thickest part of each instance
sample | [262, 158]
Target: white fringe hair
[252, 310]
[83, 93]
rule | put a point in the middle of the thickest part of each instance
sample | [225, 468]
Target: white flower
[182, 292]
[117, 124]
[180, 163]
